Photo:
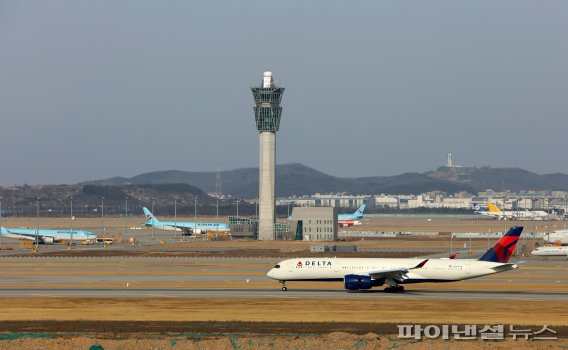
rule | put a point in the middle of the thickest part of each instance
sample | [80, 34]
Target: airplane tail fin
[360, 211]
[502, 251]
[493, 208]
[151, 219]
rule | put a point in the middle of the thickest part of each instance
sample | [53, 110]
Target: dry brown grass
[282, 310]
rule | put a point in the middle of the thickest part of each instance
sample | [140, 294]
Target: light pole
[102, 216]
[125, 216]
[217, 231]
[175, 217]
[194, 215]
[153, 221]
[237, 209]
[37, 225]
[71, 243]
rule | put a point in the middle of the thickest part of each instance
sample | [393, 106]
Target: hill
[498, 179]
[294, 179]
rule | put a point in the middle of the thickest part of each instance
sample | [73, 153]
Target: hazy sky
[94, 89]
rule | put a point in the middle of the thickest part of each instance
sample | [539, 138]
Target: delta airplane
[550, 251]
[187, 228]
[346, 220]
[366, 273]
[494, 212]
[557, 236]
[47, 236]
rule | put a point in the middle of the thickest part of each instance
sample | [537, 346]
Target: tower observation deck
[267, 112]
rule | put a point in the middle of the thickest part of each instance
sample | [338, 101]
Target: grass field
[404, 310]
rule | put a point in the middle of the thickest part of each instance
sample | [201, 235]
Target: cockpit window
[276, 266]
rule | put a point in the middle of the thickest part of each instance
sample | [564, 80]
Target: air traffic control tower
[267, 115]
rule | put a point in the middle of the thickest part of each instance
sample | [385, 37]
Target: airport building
[326, 200]
[267, 112]
[314, 223]
[246, 228]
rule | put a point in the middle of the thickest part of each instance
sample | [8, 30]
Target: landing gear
[394, 289]
[283, 283]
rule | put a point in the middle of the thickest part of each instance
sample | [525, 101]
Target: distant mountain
[294, 179]
[498, 179]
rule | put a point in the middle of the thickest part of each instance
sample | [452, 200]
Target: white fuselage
[47, 236]
[516, 215]
[335, 269]
[557, 236]
[550, 251]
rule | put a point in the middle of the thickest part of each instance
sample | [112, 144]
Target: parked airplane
[47, 236]
[495, 212]
[365, 273]
[188, 228]
[551, 251]
[557, 236]
[346, 220]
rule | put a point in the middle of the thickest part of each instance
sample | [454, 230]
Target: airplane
[47, 236]
[495, 212]
[366, 273]
[346, 220]
[557, 236]
[188, 228]
[550, 251]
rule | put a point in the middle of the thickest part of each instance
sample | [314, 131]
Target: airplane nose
[270, 273]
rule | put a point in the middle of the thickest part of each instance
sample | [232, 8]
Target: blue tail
[151, 219]
[359, 213]
[502, 251]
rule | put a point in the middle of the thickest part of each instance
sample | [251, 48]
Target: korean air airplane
[47, 236]
[351, 219]
[366, 273]
[187, 228]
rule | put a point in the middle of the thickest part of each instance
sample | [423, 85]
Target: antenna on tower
[218, 182]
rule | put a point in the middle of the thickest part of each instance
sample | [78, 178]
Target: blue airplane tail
[502, 251]
[151, 219]
[359, 212]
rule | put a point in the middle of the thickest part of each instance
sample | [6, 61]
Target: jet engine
[356, 282]
[47, 240]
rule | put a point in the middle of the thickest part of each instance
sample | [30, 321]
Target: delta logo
[299, 264]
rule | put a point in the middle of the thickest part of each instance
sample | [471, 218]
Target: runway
[277, 293]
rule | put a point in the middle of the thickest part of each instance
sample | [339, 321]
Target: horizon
[253, 167]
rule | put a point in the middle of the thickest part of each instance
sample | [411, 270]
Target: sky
[95, 89]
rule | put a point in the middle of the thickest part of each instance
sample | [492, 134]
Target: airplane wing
[178, 228]
[395, 274]
[31, 235]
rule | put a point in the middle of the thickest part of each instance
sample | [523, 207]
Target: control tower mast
[267, 113]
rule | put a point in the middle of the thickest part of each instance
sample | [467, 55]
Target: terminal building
[305, 224]
[314, 223]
